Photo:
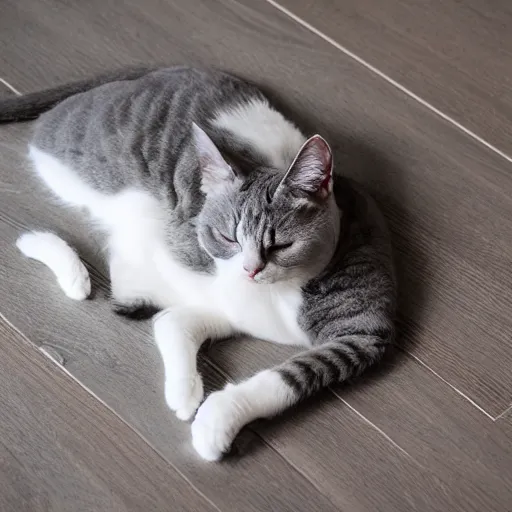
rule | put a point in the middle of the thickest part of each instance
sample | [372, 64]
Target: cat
[224, 217]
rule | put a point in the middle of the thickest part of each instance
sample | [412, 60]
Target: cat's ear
[311, 170]
[215, 171]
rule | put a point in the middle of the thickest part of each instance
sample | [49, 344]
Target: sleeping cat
[224, 217]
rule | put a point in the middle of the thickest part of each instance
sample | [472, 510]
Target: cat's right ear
[215, 171]
[311, 171]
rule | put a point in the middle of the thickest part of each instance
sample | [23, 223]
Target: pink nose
[252, 272]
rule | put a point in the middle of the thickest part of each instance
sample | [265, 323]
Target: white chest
[268, 312]
[265, 311]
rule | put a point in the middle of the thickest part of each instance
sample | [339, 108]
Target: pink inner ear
[325, 183]
[326, 158]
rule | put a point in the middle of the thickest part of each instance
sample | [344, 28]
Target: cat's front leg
[225, 412]
[179, 333]
[269, 392]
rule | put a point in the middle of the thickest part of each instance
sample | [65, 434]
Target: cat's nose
[252, 262]
[253, 271]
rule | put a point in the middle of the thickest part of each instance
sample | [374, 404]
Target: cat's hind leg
[179, 333]
[61, 259]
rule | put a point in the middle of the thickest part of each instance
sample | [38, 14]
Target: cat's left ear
[311, 170]
[215, 171]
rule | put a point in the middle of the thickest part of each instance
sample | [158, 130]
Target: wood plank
[455, 55]
[357, 467]
[61, 449]
[443, 431]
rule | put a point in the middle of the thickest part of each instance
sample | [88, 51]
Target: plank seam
[388, 79]
[503, 413]
[10, 87]
[458, 391]
[104, 404]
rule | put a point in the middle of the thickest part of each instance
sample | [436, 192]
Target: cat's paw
[76, 283]
[216, 424]
[63, 261]
[184, 395]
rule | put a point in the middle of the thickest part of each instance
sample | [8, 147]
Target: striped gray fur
[349, 309]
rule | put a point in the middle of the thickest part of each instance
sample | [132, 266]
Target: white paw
[216, 424]
[184, 395]
[61, 259]
[76, 283]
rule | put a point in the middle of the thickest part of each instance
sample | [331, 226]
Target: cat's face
[267, 228]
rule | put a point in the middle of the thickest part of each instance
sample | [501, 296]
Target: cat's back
[144, 126]
[171, 94]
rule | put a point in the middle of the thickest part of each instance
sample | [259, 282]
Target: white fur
[179, 333]
[265, 129]
[64, 182]
[225, 412]
[61, 259]
[201, 306]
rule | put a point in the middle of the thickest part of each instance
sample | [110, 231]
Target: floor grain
[61, 449]
[396, 443]
[455, 55]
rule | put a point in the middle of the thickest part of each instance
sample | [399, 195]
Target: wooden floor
[416, 99]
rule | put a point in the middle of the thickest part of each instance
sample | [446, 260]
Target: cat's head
[269, 226]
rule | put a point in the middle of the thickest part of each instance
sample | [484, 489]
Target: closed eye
[279, 247]
[226, 238]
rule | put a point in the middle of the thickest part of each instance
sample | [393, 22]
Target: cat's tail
[32, 105]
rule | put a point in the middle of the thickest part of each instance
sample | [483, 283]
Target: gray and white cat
[222, 215]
